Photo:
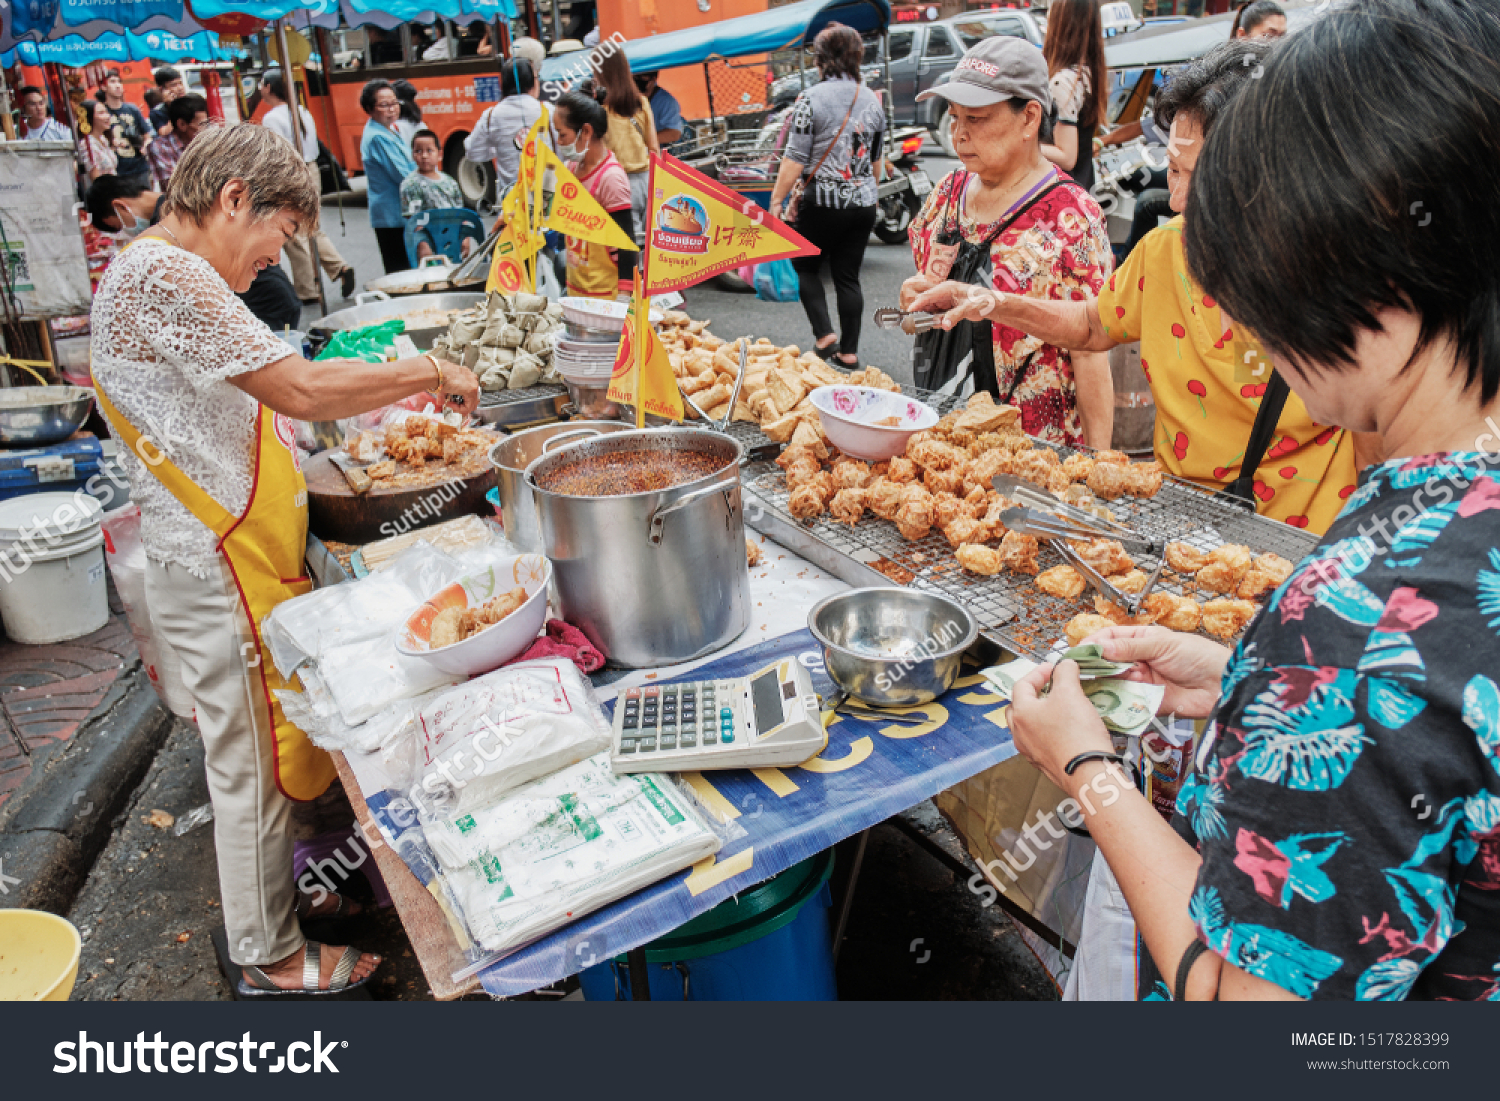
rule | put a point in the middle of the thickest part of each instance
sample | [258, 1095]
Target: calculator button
[710, 736]
[653, 690]
[632, 693]
[688, 739]
[647, 745]
[627, 747]
[727, 735]
[668, 742]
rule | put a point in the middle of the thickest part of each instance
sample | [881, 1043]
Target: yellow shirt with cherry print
[1207, 376]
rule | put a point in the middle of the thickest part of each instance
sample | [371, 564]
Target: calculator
[769, 718]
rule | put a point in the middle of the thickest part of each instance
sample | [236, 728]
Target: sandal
[255, 983]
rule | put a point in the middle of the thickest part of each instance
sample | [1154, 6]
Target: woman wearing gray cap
[1009, 220]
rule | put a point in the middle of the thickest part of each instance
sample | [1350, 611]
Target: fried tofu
[386, 468]
[977, 558]
[1077, 467]
[446, 628]
[1063, 582]
[902, 469]
[1265, 573]
[915, 516]
[1083, 625]
[964, 529]
[1119, 616]
[1225, 569]
[851, 474]
[883, 498]
[848, 505]
[1178, 613]
[1106, 556]
[1227, 618]
[950, 480]
[1018, 553]
[1143, 479]
[1117, 457]
[1185, 559]
[1132, 582]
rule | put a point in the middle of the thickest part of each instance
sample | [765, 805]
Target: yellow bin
[38, 956]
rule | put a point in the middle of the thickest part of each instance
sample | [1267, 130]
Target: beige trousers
[206, 624]
[299, 253]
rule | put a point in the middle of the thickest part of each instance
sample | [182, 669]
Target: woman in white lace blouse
[204, 395]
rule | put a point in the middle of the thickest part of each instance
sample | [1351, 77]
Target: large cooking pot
[651, 578]
[420, 311]
[512, 455]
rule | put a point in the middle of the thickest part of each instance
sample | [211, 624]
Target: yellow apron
[264, 550]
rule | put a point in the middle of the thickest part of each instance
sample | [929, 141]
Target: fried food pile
[778, 379]
[457, 624]
[421, 451]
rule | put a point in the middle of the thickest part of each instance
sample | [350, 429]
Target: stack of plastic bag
[560, 847]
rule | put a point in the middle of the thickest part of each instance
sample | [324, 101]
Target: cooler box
[769, 943]
[58, 468]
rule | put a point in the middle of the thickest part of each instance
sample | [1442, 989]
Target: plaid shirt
[163, 153]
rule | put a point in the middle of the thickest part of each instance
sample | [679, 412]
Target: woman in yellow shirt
[632, 129]
[1207, 374]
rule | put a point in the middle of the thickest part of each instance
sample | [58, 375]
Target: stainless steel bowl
[892, 647]
[34, 416]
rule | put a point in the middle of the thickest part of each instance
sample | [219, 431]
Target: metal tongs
[1043, 515]
[739, 381]
[910, 322]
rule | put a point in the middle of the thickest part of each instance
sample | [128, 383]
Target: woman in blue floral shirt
[1340, 836]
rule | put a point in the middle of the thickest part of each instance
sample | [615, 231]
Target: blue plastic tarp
[763, 32]
[73, 50]
[867, 773]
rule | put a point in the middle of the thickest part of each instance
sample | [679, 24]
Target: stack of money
[1126, 706]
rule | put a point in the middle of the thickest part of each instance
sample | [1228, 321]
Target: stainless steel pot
[375, 307]
[35, 416]
[651, 578]
[512, 455]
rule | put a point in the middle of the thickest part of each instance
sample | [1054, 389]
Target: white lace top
[167, 333]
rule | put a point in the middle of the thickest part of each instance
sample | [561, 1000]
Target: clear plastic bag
[126, 554]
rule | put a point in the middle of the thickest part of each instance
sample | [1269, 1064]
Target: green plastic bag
[372, 344]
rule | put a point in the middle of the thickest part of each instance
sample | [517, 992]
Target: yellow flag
[642, 367]
[517, 243]
[576, 213]
[696, 228]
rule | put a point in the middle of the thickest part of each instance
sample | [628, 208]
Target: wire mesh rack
[759, 447]
[1009, 606]
[491, 398]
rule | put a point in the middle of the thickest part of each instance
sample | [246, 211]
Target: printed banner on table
[651, 372]
[697, 227]
[868, 772]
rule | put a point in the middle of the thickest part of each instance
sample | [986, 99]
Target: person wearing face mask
[203, 398]
[1223, 418]
[593, 270]
[120, 210]
[387, 161]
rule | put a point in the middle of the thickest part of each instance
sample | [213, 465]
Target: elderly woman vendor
[204, 395]
[1340, 834]
[1207, 373]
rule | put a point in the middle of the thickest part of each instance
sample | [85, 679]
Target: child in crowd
[430, 188]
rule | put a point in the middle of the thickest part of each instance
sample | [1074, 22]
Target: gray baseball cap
[995, 70]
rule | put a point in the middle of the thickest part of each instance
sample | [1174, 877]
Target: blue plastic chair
[444, 230]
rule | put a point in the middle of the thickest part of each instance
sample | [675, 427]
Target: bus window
[385, 46]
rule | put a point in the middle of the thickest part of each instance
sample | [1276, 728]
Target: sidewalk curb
[60, 819]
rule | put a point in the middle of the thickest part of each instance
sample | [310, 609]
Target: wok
[375, 307]
[335, 512]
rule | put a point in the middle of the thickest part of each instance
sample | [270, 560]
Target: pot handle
[659, 517]
[364, 297]
[577, 432]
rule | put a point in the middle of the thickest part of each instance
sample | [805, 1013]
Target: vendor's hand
[915, 286]
[1190, 667]
[1049, 731]
[460, 390]
[957, 302]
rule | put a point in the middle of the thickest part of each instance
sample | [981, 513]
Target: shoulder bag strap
[834, 143]
[1266, 419]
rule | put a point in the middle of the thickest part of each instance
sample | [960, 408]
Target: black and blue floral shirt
[1346, 799]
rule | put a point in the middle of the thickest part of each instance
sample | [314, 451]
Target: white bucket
[58, 594]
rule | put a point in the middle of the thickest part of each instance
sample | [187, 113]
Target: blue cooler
[58, 468]
[769, 943]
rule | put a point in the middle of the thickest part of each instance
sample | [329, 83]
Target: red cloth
[563, 640]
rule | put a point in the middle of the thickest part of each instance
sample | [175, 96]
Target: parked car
[923, 53]
[1117, 18]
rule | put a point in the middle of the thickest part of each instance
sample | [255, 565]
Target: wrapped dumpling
[527, 371]
[510, 336]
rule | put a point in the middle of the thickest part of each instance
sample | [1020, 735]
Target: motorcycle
[905, 188]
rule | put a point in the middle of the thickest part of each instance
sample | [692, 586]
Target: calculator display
[765, 695]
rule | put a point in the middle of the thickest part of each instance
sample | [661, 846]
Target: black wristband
[1093, 755]
[1185, 967]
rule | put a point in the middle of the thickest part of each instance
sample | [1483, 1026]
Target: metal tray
[1009, 607]
[527, 406]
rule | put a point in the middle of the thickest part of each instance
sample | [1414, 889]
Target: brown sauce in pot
[618, 473]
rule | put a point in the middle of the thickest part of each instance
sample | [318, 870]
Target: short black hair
[425, 133]
[582, 109]
[1251, 15]
[165, 75]
[1206, 86]
[1321, 201]
[103, 192]
[516, 76]
[277, 83]
[372, 89]
[186, 108]
[29, 90]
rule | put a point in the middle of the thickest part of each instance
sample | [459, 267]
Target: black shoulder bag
[940, 353]
[1272, 402]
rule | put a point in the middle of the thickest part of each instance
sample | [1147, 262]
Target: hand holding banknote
[1188, 666]
[1050, 730]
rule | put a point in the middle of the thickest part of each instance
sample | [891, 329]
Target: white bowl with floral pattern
[870, 424]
